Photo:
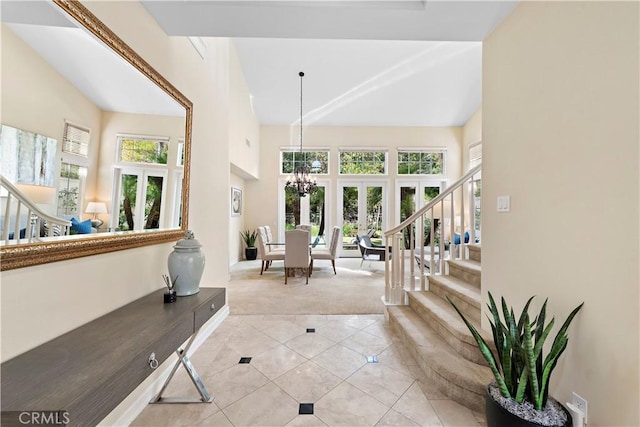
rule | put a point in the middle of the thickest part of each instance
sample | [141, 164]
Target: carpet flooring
[353, 290]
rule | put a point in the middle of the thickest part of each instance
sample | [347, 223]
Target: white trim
[127, 411]
[363, 149]
[422, 149]
[199, 45]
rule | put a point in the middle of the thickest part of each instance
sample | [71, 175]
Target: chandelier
[301, 182]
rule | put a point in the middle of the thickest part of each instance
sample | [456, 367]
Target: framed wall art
[236, 201]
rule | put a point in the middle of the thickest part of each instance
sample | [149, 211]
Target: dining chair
[265, 254]
[296, 252]
[330, 253]
[370, 251]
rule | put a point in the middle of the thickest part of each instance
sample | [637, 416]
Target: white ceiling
[366, 63]
[100, 74]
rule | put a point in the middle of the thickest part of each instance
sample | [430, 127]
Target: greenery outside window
[420, 162]
[368, 162]
[141, 149]
[316, 161]
[69, 189]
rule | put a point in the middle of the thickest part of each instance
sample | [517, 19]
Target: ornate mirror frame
[26, 255]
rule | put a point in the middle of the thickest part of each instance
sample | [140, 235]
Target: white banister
[36, 218]
[409, 236]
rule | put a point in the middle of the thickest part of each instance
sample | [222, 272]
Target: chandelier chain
[301, 182]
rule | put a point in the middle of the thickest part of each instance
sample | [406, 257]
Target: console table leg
[195, 378]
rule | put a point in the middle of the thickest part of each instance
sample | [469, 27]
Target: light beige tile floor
[290, 366]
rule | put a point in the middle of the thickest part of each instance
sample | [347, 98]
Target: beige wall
[262, 202]
[560, 136]
[36, 98]
[244, 129]
[114, 124]
[471, 134]
[39, 303]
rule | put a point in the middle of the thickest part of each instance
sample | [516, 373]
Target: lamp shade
[96, 208]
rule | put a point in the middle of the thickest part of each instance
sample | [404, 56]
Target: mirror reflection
[79, 123]
[114, 137]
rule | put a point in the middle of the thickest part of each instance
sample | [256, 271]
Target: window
[180, 153]
[75, 140]
[420, 162]
[316, 161]
[475, 155]
[69, 189]
[148, 150]
[363, 162]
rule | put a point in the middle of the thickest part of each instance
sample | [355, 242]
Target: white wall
[41, 302]
[560, 136]
[262, 200]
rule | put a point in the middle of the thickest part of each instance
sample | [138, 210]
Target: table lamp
[96, 208]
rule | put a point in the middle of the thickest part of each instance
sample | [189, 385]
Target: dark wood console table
[88, 371]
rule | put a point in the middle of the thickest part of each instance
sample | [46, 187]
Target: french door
[140, 195]
[411, 195]
[311, 210]
[362, 208]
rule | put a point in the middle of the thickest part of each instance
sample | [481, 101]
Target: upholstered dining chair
[327, 253]
[296, 252]
[265, 254]
[270, 243]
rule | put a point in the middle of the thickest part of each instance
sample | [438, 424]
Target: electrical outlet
[581, 404]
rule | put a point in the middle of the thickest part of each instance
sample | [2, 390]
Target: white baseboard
[137, 400]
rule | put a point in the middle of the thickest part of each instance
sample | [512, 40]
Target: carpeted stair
[438, 338]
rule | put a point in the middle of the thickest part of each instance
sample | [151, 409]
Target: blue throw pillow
[456, 238]
[83, 227]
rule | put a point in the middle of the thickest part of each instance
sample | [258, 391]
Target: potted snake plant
[519, 396]
[249, 237]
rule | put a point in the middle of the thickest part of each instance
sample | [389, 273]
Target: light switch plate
[504, 203]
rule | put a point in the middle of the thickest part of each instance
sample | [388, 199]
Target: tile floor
[293, 366]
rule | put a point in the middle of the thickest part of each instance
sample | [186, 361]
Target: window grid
[69, 189]
[420, 162]
[363, 162]
[147, 150]
[316, 161]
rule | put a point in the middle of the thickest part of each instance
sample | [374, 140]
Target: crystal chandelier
[301, 182]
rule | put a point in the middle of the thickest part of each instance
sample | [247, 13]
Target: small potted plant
[249, 237]
[520, 394]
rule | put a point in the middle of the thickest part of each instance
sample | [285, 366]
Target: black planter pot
[497, 416]
[251, 253]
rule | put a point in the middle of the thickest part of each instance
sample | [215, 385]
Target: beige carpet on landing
[351, 291]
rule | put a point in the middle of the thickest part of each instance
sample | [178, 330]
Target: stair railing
[14, 230]
[435, 233]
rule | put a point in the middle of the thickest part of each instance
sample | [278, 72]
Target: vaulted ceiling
[366, 63]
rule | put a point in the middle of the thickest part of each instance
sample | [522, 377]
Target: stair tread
[448, 317]
[443, 359]
[464, 289]
[467, 264]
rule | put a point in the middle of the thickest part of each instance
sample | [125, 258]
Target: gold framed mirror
[21, 255]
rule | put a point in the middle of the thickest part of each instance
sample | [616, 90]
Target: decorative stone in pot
[503, 412]
[186, 265]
